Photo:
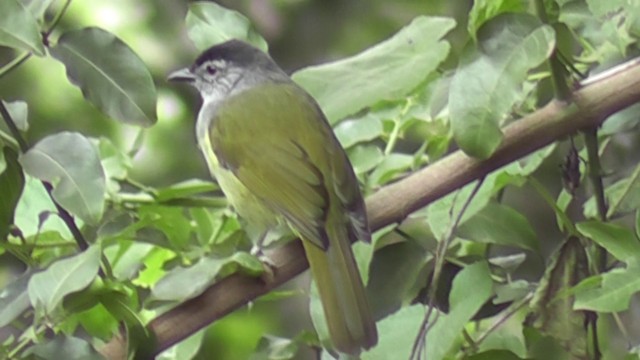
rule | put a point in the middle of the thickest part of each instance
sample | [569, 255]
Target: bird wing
[276, 140]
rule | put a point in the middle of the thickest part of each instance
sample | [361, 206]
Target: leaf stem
[14, 64]
[56, 20]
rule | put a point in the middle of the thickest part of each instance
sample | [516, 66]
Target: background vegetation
[108, 217]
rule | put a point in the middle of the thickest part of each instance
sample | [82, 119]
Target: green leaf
[488, 82]
[184, 283]
[553, 306]
[66, 347]
[494, 355]
[12, 184]
[71, 163]
[614, 294]
[19, 112]
[109, 73]
[37, 7]
[35, 202]
[14, 299]
[389, 168]
[272, 347]
[392, 273]
[474, 279]
[500, 224]
[185, 349]
[365, 157]
[18, 28]
[619, 241]
[353, 131]
[184, 189]
[484, 10]
[48, 288]
[209, 24]
[397, 333]
[388, 70]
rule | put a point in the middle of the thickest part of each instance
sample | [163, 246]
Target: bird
[273, 153]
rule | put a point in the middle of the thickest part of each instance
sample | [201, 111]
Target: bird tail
[342, 293]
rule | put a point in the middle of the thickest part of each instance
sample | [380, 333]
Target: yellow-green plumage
[275, 155]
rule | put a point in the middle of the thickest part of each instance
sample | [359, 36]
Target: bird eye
[211, 69]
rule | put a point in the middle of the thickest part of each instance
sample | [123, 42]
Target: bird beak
[184, 75]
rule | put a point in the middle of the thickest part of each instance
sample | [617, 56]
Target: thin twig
[416, 351]
[507, 314]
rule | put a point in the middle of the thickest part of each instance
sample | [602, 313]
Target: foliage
[93, 238]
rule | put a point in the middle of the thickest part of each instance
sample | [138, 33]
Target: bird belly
[246, 204]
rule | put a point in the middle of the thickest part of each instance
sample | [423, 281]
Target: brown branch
[591, 105]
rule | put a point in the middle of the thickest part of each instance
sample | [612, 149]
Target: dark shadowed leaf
[553, 306]
[109, 73]
[18, 28]
[488, 82]
[37, 7]
[500, 224]
[71, 163]
[48, 288]
[14, 299]
[388, 70]
[209, 24]
[11, 186]
[66, 347]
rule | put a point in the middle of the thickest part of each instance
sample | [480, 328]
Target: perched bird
[275, 157]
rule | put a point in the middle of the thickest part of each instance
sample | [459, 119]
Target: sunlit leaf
[18, 28]
[615, 292]
[488, 82]
[388, 70]
[396, 334]
[209, 24]
[19, 112]
[484, 10]
[49, 287]
[109, 73]
[12, 184]
[353, 131]
[71, 163]
[472, 287]
[619, 241]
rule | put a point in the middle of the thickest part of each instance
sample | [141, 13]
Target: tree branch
[589, 107]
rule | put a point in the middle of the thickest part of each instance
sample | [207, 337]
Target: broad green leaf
[353, 131]
[389, 70]
[488, 82]
[389, 168]
[553, 307]
[185, 349]
[19, 112]
[614, 294]
[126, 258]
[71, 163]
[66, 347]
[209, 24]
[472, 287]
[171, 221]
[14, 299]
[494, 355]
[63, 277]
[396, 334]
[623, 197]
[392, 273]
[18, 28]
[11, 185]
[272, 347]
[34, 203]
[109, 73]
[37, 7]
[500, 224]
[184, 283]
[619, 241]
[484, 10]
[365, 157]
